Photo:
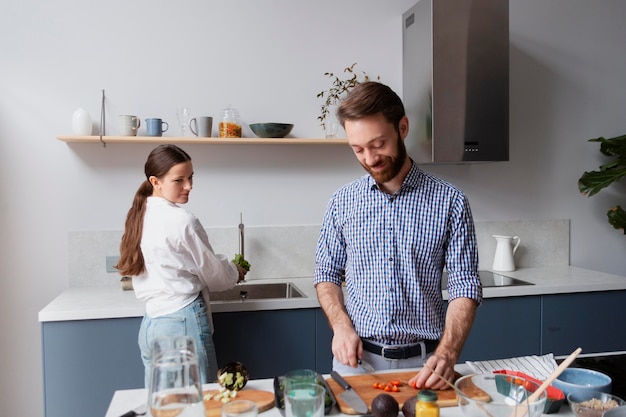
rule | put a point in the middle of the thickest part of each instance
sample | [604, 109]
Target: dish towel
[539, 367]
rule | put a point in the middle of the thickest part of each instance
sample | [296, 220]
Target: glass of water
[304, 400]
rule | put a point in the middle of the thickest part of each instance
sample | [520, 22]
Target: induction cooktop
[491, 279]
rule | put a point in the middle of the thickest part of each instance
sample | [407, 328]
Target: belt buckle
[389, 348]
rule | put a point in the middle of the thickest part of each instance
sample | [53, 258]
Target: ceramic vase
[81, 123]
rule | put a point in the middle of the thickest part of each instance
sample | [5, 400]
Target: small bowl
[271, 130]
[601, 403]
[497, 395]
[582, 380]
[233, 368]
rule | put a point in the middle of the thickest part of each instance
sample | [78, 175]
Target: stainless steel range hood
[456, 80]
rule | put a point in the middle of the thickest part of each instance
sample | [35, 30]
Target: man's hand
[347, 346]
[427, 379]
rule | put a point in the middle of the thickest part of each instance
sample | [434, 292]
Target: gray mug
[156, 127]
[129, 125]
[203, 126]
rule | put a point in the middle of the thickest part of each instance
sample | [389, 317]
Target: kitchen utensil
[506, 246]
[366, 366]
[240, 408]
[271, 130]
[213, 404]
[304, 400]
[349, 395]
[156, 127]
[201, 126]
[593, 403]
[363, 385]
[505, 396]
[241, 237]
[137, 411]
[129, 124]
[581, 380]
[175, 385]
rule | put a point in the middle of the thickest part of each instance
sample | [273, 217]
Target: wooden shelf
[210, 141]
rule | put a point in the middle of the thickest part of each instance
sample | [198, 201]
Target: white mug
[201, 126]
[129, 125]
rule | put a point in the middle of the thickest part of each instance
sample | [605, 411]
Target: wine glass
[182, 114]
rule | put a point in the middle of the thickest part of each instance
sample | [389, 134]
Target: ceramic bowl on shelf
[582, 380]
[593, 403]
[271, 130]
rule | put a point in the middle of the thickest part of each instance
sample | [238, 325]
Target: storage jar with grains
[230, 127]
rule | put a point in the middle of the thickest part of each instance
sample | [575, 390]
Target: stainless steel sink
[491, 279]
[245, 292]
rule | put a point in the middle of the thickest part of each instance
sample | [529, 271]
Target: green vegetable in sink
[238, 260]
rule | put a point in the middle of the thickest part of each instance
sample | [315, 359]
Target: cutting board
[263, 399]
[363, 385]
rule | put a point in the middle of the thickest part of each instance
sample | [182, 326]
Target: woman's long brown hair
[159, 162]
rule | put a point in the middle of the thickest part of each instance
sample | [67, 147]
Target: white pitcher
[505, 249]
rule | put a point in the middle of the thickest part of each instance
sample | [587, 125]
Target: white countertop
[125, 400]
[105, 302]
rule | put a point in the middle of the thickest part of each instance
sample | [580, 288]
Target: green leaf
[617, 218]
[590, 183]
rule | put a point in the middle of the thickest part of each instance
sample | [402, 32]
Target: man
[389, 235]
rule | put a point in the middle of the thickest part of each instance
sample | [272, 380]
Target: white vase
[81, 123]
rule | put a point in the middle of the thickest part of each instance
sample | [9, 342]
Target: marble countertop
[110, 301]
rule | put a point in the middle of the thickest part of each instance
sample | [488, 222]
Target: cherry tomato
[395, 382]
[413, 384]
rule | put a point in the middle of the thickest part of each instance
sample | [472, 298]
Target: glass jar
[426, 405]
[230, 127]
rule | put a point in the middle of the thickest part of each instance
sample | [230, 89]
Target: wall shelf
[210, 141]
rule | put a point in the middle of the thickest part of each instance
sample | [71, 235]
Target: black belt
[400, 352]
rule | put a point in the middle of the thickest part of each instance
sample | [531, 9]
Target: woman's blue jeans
[191, 320]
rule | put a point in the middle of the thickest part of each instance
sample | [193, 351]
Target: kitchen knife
[137, 411]
[349, 396]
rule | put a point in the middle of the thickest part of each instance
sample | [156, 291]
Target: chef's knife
[137, 411]
[349, 396]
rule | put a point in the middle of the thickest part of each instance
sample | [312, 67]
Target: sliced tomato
[395, 382]
[395, 388]
[413, 384]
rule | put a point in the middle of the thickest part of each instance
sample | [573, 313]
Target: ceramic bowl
[593, 403]
[582, 380]
[271, 130]
[497, 395]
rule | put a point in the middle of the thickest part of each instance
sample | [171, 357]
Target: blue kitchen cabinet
[504, 328]
[86, 361]
[323, 340]
[592, 320]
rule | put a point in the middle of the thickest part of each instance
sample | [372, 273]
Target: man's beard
[394, 166]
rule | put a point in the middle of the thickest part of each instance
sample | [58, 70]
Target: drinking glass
[175, 387]
[182, 114]
[240, 408]
[300, 376]
[304, 400]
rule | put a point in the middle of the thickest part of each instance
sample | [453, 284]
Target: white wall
[267, 58]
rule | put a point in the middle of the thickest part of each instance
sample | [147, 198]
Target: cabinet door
[86, 361]
[594, 321]
[269, 343]
[323, 340]
[505, 328]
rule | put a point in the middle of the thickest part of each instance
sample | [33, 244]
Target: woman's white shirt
[179, 260]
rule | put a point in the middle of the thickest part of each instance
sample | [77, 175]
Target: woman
[167, 252]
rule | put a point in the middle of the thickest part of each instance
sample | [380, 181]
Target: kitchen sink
[245, 292]
[491, 279]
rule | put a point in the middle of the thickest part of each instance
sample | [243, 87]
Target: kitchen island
[125, 400]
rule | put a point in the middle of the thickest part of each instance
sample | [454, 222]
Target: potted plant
[340, 87]
[591, 182]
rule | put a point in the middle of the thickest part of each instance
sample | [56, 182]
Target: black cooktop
[491, 279]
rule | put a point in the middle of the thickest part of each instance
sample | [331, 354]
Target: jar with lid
[230, 127]
[426, 405]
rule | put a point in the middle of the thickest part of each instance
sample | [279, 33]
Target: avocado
[384, 405]
[408, 408]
